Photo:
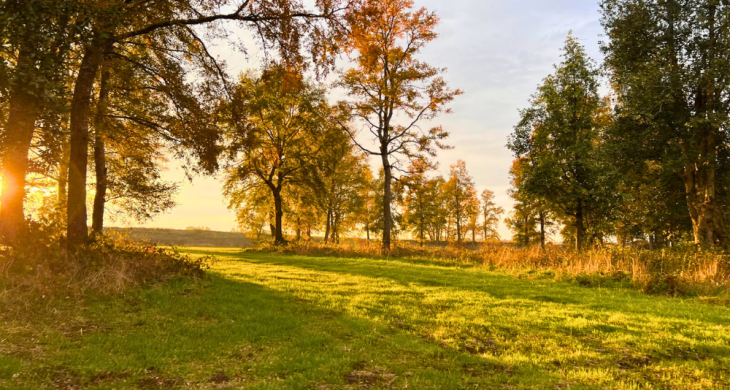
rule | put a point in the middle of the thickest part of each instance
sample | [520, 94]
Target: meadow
[278, 321]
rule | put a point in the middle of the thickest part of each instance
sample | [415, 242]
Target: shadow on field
[496, 285]
[204, 334]
[584, 335]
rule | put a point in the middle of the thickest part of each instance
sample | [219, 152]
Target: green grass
[267, 321]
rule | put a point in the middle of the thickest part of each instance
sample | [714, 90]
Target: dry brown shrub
[42, 267]
[685, 270]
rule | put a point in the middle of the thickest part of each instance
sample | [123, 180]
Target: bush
[42, 267]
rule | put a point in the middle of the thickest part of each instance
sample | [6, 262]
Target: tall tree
[420, 200]
[276, 128]
[389, 83]
[490, 215]
[336, 179]
[531, 209]
[669, 61]
[523, 223]
[147, 108]
[460, 194]
[560, 139]
[283, 23]
[37, 38]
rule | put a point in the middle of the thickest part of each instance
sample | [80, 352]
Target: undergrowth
[41, 268]
[681, 271]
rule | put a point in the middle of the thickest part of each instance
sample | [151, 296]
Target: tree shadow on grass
[556, 326]
[204, 333]
[500, 286]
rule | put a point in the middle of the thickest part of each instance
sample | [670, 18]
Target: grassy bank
[681, 271]
[268, 321]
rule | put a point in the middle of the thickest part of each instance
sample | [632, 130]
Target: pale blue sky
[497, 51]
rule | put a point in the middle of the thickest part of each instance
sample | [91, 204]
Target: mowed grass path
[267, 321]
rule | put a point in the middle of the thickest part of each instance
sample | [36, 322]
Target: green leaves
[559, 147]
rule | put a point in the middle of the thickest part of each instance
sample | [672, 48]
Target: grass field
[266, 321]
[176, 237]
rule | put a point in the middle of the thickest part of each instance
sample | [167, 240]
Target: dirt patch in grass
[219, 377]
[155, 379]
[109, 377]
[365, 376]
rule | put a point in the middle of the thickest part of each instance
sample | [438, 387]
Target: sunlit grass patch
[267, 321]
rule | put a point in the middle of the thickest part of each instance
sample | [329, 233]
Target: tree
[146, 108]
[669, 61]
[560, 139]
[490, 214]
[389, 83]
[336, 179]
[276, 127]
[523, 221]
[37, 39]
[420, 201]
[460, 196]
[370, 212]
[118, 23]
[253, 206]
[531, 210]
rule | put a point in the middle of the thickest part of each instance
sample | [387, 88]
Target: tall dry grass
[675, 271]
[42, 268]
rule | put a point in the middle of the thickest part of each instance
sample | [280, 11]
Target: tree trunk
[387, 198]
[458, 225]
[299, 229]
[423, 228]
[77, 230]
[279, 210]
[23, 112]
[327, 226]
[97, 218]
[542, 229]
[63, 178]
[335, 227]
[579, 228]
[486, 228]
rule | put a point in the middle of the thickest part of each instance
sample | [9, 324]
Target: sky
[496, 51]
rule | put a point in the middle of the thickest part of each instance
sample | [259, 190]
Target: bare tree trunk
[279, 210]
[23, 112]
[387, 198]
[77, 230]
[299, 229]
[335, 228]
[579, 228]
[63, 178]
[327, 226]
[97, 218]
[542, 229]
[423, 228]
